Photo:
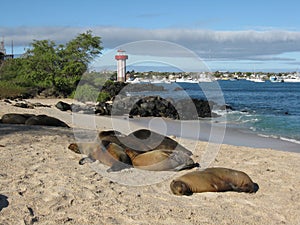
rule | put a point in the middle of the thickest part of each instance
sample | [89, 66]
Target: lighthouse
[121, 63]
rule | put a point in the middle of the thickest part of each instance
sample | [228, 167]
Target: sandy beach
[41, 181]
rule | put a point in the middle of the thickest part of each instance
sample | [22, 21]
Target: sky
[256, 35]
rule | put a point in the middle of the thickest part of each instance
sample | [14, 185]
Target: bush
[11, 90]
[103, 97]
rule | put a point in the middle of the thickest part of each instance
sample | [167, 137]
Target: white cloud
[233, 45]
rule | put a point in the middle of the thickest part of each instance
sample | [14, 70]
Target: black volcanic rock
[63, 106]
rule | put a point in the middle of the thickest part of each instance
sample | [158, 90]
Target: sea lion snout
[254, 188]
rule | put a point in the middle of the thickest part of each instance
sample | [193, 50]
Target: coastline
[201, 130]
[43, 183]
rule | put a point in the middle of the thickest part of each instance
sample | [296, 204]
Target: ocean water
[267, 109]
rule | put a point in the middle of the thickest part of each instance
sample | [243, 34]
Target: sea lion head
[251, 187]
[180, 188]
[74, 147]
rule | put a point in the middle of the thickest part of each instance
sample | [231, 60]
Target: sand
[41, 182]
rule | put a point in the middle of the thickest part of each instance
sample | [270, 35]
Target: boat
[133, 80]
[258, 80]
[292, 78]
[275, 79]
[186, 80]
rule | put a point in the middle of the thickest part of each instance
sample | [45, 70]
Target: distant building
[3, 54]
[121, 58]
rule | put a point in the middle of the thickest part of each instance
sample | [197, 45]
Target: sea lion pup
[213, 180]
[123, 140]
[161, 160]
[15, 118]
[45, 120]
[107, 153]
[157, 141]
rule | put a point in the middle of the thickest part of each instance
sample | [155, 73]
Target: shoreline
[201, 130]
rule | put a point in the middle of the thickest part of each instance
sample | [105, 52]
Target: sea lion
[45, 120]
[142, 140]
[107, 153]
[213, 180]
[157, 141]
[161, 160]
[123, 140]
[15, 118]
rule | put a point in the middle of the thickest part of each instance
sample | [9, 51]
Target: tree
[60, 67]
[42, 63]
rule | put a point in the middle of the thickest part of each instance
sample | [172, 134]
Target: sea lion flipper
[186, 166]
[86, 160]
[118, 166]
[183, 161]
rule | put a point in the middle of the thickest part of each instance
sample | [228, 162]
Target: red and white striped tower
[121, 62]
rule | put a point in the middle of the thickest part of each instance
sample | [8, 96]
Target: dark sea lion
[161, 160]
[15, 118]
[157, 141]
[123, 140]
[45, 120]
[109, 154]
[142, 140]
[213, 180]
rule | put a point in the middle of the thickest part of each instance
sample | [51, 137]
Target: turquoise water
[271, 109]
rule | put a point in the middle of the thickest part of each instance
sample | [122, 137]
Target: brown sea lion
[15, 118]
[107, 153]
[45, 120]
[157, 141]
[213, 180]
[161, 160]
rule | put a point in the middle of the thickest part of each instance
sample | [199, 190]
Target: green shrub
[85, 93]
[103, 97]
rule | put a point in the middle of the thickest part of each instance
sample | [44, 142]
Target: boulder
[63, 106]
